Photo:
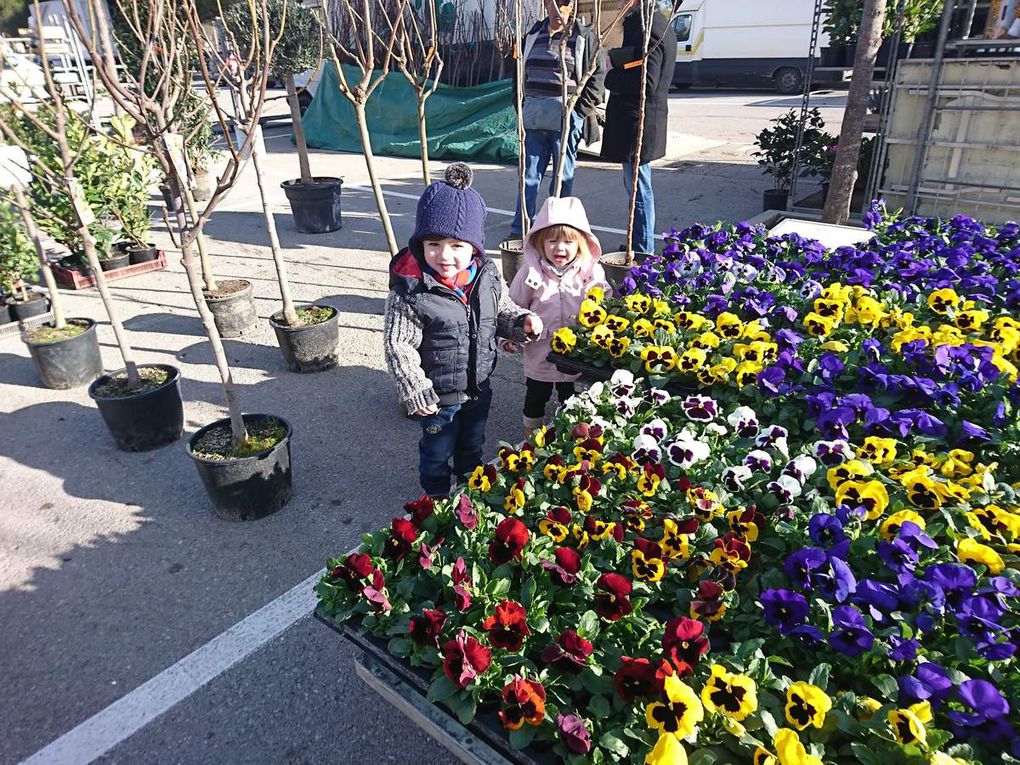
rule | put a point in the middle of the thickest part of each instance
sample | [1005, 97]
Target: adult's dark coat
[619, 137]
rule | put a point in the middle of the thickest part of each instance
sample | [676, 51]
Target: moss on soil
[314, 315]
[150, 378]
[215, 443]
[49, 335]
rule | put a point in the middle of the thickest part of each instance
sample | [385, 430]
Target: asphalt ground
[113, 568]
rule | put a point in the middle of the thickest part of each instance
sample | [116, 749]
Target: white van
[743, 43]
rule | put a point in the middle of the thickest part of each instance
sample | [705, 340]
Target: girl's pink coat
[556, 300]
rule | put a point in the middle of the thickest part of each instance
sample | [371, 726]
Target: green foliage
[777, 146]
[17, 256]
[843, 19]
[113, 173]
[298, 48]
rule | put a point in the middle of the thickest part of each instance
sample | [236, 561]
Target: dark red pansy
[707, 601]
[611, 601]
[375, 593]
[685, 643]
[569, 653]
[560, 515]
[402, 535]
[509, 540]
[641, 678]
[683, 484]
[426, 629]
[564, 571]
[356, 568]
[420, 509]
[464, 658]
[508, 626]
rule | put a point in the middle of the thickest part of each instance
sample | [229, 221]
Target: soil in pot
[232, 306]
[36, 305]
[146, 417]
[114, 262]
[141, 253]
[616, 267]
[511, 254]
[248, 481]
[67, 357]
[316, 206]
[312, 345]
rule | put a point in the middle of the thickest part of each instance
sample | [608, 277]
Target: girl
[560, 267]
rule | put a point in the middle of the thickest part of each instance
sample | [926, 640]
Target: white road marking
[129, 714]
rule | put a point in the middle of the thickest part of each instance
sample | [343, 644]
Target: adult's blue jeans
[456, 431]
[644, 212]
[541, 147]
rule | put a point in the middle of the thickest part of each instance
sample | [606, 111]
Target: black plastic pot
[143, 254]
[247, 488]
[833, 56]
[234, 313]
[114, 262]
[774, 199]
[312, 348]
[316, 205]
[68, 363]
[5, 314]
[511, 255]
[36, 305]
[146, 420]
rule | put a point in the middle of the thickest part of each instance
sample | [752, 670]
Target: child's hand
[533, 325]
[510, 346]
[425, 411]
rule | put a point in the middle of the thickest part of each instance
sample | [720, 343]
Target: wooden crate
[76, 280]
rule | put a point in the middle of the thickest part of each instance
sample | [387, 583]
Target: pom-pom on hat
[451, 208]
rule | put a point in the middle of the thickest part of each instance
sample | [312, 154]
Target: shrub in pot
[314, 200]
[777, 150]
[18, 265]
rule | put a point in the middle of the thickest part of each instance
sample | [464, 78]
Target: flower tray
[76, 280]
[482, 742]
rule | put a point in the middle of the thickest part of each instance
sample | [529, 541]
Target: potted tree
[129, 192]
[314, 200]
[777, 150]
[243, 460]
[18, 265]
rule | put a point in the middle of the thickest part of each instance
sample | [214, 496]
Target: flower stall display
[808, 557]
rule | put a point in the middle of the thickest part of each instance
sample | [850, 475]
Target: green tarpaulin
[463, 123]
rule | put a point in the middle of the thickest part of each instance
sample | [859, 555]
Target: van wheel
[789, 81]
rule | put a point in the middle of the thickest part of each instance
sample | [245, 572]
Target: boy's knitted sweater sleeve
[510, 317]
[402, 337]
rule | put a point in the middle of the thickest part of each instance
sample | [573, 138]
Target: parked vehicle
[744, 43]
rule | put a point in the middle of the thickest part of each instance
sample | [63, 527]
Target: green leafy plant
[843, 19]
[777, 146]
[18, 262]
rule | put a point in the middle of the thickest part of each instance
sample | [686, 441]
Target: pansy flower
[647, 563]
[707, 602]
[357, 568]
[420, 509]
[461, 585]
[402, 535]
[850, 635]
[483, 477]
[612, 600]
[555, 524]
[784, 609]
[464, 658]
[563, 571]
[679, 714]
[509, 540]
[570, 652]
[908, 724]
[686, 451]
[729, 694]
[806, 705]
[744, 421]
[523, 702]
[426, 628]
[507, 626]
[684, 642]
[640, 678]
[574, 733]
[790, 750]
[651, 476]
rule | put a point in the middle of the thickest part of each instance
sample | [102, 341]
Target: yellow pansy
[729, 694]
[479, 481]
[706, 341]
[659, 358]
[847, 471]
[591, 314]
[747, 372]
[646, 569]
[868, 312]
[943, 301]
[922, 491]
[729, 325]
[643, 328]
[602, 336]
[818, 325]
[754, 331]
[563, 340]
[691, 360]
[878, 450]
[637, 303]
[660, 307]
[836, 346]
[617, 323]
[790, 750]
[673, 543]
[618, 346]
[763, 757]
[557, 532]
[806, 705]
[891, 526]
[971, 551]
[667, 751]
[596, 293]
[972, 320]
[690, 320]
[872, 495]
[1008, 338]
[908, 724]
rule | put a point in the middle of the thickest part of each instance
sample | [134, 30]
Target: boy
[447, 304]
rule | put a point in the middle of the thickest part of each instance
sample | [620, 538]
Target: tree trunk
[258, 148]
[56, 301]
[380, 200]
[423, 138]
[208, 277]
[299, 129]
[238, 432]
[844, 169]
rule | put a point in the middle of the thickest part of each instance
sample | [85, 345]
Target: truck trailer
[743, 43]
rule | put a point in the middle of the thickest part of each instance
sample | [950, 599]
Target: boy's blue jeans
[456, 431]
[541, 147]
[644, 211]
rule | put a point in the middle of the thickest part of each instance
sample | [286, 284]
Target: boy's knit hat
[451, 208]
